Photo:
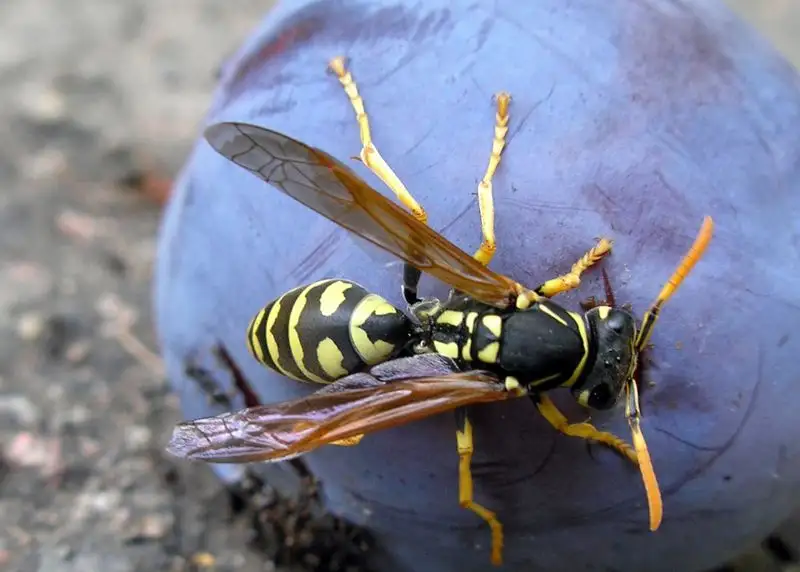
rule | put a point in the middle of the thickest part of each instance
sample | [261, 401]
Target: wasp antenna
[687, 263]
[611, 300]
[654, 504]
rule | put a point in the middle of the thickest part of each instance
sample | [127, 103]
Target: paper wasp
[500, 339]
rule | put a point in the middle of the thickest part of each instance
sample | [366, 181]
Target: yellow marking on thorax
[578, 319]
[466, 350]
[512, 383]
[447, 349]
[371, 352]
[253, 344]
[603, 311]
[330, 357]
[333, 297]
[294, 336]
[471, 317]
[272, 343]
[489, 353]
[450, 318]
[553, 315]
[493, 323]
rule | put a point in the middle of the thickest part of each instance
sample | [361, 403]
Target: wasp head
[614, 334]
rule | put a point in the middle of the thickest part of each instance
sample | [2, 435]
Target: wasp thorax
[614, 332]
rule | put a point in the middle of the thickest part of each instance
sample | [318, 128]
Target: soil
[101, 102]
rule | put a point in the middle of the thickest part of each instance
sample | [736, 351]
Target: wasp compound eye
[601, 397]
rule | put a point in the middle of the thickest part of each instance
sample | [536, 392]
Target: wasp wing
[365, 404]
[333, 190]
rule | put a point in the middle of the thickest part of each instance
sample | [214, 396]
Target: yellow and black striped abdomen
[326, 330]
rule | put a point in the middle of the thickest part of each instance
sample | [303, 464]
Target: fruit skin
[631, 120]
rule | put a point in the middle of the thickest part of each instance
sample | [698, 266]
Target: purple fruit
[631, 120]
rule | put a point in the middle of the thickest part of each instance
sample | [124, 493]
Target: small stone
[30, 326]
[203, 560]
[47, 105]
[30, 451]
[137, 437]
[77, 352]
[156, 526]
[19, 408]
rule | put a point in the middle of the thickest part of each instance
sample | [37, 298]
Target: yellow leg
[485, 253]
[369, 153]
[465, 449]
[572, 279]
[349, 441]
[587, 431]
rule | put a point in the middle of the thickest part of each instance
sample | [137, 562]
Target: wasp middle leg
[572, 279]
[465, 498]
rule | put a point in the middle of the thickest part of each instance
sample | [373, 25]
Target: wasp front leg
[465, 450]
[586, 431]
[572, 279]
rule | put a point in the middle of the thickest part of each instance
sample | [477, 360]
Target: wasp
[492, 339]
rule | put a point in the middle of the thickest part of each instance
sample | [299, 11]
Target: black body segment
[327, 330]
[543, 346]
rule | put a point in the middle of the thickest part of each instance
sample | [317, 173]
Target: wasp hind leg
[374, 161]
[586, 431]
[572, 279]
[465, 450]
[486, 251]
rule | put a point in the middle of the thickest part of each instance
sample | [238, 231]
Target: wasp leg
[465, 450]
[485, 253]
[374, 161]
[572, 279]
[349, 441]
[587, 431]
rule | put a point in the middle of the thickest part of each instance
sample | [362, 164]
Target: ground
[101, 102]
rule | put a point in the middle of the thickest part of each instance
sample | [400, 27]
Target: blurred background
[100, 103]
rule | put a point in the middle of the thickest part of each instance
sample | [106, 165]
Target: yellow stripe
[294, 337]
[493, 323]
[585, 338]
[371, 353]
[450, 318]
[447, 349]
[471, 317]
[330, 358]
[272, 344]
[384, 308]
[333, 297]
[489, 353]
[253, 345]
[466, 350]
[553, 315]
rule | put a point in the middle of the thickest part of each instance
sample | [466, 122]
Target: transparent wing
[354, 405]
[328, 187]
